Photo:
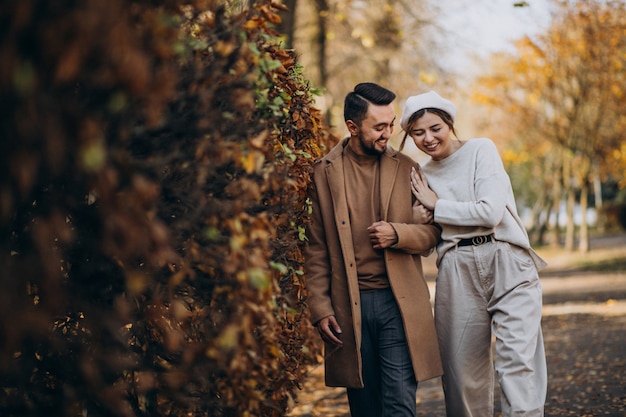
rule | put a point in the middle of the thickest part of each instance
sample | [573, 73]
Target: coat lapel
[388, 171]
[337, 186]
[336, 183]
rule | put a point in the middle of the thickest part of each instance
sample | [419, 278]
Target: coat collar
[389, 163]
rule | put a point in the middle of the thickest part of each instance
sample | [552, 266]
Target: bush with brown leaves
[155, 158]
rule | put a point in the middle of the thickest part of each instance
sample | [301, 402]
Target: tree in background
[342, 43]
[155, 160]
[563, 96]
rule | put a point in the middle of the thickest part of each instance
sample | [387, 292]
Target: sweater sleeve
[491, 186]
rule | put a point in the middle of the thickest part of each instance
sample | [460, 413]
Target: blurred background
[544, 79]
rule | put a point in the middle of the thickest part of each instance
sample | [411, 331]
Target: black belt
[475, 241]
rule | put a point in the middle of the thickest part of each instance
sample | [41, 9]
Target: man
[366, 290]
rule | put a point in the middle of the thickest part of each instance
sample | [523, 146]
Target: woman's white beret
[429, 100]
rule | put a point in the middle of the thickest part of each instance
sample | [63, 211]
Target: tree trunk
[570, 227]
[322, 28]
[545, 224]
[597, 192]
[568, 184]
[288, 23]
[583, 245]
[557, 192]
[537, 222]
[322, 10]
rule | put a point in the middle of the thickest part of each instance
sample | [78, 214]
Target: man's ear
[352, 127]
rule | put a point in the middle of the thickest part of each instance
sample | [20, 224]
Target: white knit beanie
[430, 100]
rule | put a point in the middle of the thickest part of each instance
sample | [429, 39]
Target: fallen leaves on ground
[586, 369]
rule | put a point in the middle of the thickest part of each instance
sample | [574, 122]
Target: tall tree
[567, 88]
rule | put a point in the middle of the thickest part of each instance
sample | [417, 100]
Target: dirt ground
[584, 326]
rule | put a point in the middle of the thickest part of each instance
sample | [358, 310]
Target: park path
[584, 325]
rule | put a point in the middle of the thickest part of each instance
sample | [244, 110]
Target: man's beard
[369, 149]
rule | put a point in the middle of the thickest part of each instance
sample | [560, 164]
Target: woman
[487, 283]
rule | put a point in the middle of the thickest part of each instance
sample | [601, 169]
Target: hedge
[155, 160]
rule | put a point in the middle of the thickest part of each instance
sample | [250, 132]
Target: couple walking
[375, 213]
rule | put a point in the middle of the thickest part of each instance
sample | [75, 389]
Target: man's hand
[382, 235]
[329, 330]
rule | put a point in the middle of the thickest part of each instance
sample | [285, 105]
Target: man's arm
[410, 238]
[416, 238]
[318, 277]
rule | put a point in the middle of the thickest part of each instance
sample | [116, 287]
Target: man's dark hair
[357, 101]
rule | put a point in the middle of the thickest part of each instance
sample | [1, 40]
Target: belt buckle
[479, 240]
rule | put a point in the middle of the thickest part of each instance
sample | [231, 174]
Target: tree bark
[583, 245]
[568, 184]
[288, 23]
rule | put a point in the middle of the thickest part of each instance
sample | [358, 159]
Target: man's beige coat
[331, 275]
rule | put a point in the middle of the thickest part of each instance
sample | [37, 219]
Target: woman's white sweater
[475, 198]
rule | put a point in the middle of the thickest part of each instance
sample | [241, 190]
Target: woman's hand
[421, 215]
[419, 187]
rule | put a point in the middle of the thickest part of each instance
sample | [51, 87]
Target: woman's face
[432, 136]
